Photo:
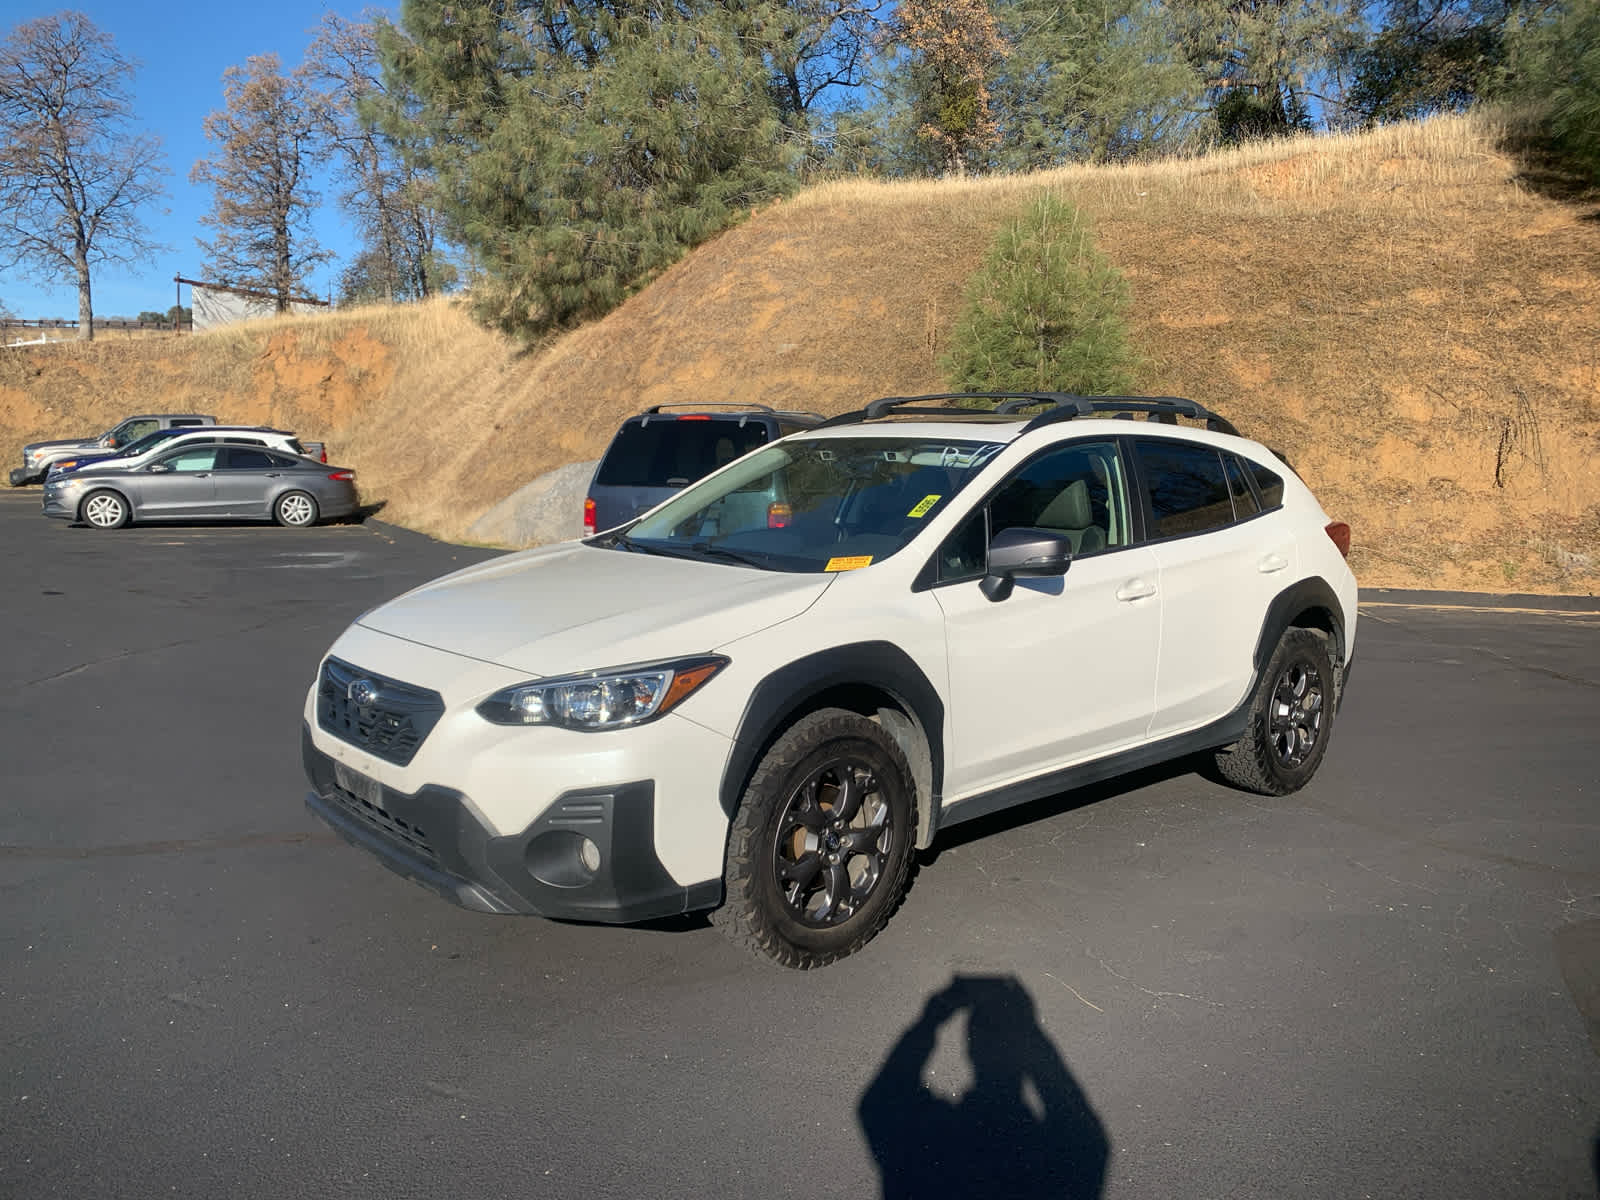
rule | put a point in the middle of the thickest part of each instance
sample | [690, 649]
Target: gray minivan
[657, 452]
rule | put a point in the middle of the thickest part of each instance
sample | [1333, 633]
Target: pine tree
[1270, 65]
[266, 145]
[1046, 312]
[1090, 80]
[952, 47]
[580, 147]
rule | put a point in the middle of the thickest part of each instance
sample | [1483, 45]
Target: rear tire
[104, 510]
[820, 850]
[297, 510]
[1291, 719]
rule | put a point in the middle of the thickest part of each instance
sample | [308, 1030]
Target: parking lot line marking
[1484, 608]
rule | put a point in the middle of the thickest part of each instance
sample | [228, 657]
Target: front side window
[202, 459]
[1187, 487]
[1078, 490]
[823, 504]
[130, 431]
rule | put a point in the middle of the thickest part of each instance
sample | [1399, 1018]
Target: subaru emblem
[362, 692]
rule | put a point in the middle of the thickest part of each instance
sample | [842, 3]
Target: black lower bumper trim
[432, 837]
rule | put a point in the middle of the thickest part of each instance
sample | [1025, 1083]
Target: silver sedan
[205, 482]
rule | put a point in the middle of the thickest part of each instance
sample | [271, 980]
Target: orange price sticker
[853, 563]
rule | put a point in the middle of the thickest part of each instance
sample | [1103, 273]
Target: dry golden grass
[1396, 310]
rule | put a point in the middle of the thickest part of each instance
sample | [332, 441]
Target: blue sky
[182, 51]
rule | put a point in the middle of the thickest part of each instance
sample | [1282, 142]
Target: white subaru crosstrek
[766, 694]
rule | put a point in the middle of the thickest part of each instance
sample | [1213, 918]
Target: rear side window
[294, 444]
[240, 459]
[186, 422]
[674, 452]
[1244, 500]
[1187, 486]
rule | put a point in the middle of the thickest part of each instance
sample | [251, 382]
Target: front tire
[297, 510]
[1291, 719]
[104, 510]
[819, 853]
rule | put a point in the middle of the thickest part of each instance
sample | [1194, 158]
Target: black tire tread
[740, 916]
[1248, 764]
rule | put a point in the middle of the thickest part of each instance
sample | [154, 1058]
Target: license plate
[358, 785]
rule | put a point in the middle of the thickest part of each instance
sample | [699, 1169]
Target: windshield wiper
[748, 560]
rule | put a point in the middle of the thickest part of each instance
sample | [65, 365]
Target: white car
[138, 454]
[765, 694]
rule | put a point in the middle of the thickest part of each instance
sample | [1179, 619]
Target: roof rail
[655, 408]
[1058, 406]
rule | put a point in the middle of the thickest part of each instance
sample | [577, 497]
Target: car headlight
[603, 699]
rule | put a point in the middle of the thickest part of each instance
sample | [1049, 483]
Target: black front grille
[383, 716]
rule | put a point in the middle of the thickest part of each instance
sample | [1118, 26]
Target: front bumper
[25, 475]
[62, 505]
[433, 837]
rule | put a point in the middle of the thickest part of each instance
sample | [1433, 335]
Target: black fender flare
[1310, 593]
[792, 688]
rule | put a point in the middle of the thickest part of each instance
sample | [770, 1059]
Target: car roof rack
[1058, 406]
[739, 408]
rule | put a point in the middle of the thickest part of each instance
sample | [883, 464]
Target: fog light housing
[563, 859]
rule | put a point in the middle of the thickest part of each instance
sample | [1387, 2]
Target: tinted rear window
[673, 452]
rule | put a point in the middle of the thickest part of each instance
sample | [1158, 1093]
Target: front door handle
[1136, 589]
[1271, 563]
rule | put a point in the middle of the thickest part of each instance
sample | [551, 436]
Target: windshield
[823, 504]
[147, 441]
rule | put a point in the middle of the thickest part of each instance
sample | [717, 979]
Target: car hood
[573, 607]
[59, 442]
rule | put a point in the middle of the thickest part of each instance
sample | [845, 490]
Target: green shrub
[1046, 312]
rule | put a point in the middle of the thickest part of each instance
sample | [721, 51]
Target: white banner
[215, 306]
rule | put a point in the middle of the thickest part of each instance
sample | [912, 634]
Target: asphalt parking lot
[1385, 985]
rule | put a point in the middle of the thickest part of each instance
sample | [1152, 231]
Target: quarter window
[1187, 486]
[1269, 484]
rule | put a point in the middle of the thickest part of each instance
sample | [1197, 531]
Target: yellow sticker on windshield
[923, 505]
[853, 563]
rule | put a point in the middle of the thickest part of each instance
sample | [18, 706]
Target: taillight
[779, 516]
[588, 516]
[695, 417]
[324, 456]
[1340, 533]
[342, 476]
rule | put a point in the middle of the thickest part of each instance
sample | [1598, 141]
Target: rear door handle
[1271, 563]
[1136, 589]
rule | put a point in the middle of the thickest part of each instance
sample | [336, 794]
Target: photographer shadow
[1024, 1128]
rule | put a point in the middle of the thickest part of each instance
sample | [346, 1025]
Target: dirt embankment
[1416, 328]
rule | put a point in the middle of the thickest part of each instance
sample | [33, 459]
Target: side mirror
[158, 468]
[1024, 552]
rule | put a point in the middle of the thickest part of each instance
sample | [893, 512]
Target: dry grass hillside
[1398, 311]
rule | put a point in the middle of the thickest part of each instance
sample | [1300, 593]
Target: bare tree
[267, 142]
[386, 193]
[73, 179]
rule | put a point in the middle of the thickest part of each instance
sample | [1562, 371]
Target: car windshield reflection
[814, 504]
